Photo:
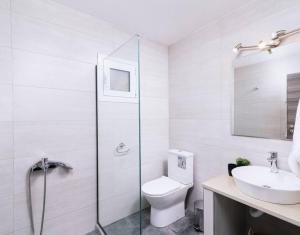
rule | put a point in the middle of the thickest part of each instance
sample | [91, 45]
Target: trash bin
[198, 216]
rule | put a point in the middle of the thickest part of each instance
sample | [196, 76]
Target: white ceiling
[164, 21]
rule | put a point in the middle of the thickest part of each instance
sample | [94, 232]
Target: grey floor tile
[181, 225]
[123, 227]
[131, 226]
[190, 231]
[93, 233]
[151, 230]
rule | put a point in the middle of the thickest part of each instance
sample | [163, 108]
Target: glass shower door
[118, 137]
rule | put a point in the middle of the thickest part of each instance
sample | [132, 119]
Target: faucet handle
[273, 156]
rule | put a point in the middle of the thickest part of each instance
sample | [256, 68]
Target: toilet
[167, 194]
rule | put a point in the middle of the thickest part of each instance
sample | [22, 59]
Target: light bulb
[236, 50]
[262, 45]
[274, 35]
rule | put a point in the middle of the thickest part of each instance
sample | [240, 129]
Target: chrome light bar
[275, 41]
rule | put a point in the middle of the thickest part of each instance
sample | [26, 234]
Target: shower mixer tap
[43, 165]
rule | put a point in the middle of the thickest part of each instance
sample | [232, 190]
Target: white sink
[258, 182]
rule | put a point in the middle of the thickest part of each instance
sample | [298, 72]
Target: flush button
[181, 162]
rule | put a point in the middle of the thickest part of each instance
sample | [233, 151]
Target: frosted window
[119, 80]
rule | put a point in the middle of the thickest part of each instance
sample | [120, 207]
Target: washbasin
[262, 184]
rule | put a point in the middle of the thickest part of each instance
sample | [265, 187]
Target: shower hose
[30, 200]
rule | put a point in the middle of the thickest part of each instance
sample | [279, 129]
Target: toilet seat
[161, 186]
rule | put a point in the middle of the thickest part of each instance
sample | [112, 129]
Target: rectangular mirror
[266, 93]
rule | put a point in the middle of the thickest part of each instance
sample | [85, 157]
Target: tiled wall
[201, 88]
[47, 69]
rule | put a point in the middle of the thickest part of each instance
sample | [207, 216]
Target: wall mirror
[266, 93]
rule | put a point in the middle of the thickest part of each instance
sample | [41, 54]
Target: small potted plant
[239, 162]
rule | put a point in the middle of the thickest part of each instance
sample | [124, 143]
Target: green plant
[242, 162]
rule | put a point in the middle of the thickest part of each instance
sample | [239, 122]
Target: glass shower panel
[118, 135]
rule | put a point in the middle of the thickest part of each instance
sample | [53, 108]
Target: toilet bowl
[166, 195]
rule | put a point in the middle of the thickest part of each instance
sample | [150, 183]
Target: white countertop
[226, 186]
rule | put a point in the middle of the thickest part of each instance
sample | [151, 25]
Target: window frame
[103, 80]
[107, 91]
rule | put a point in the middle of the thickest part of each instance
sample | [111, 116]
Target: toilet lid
[160, 186]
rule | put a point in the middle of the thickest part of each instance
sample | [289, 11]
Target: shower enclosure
[118, 138]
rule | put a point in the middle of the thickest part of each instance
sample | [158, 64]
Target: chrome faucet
[45, 164]
[273, 161]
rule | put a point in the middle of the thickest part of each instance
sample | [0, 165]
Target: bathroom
[82, 152]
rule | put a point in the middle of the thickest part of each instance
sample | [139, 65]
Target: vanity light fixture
[275, 41]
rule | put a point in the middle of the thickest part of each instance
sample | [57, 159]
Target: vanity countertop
[226, 186]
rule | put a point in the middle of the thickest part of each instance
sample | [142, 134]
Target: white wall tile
[119, 130]
[5, 25]
[37, 36]
[54, 13]
[31, 69]
[76, 223]
[156, 127]
[201, 130]
[5, 66]
[153, 170]
[116, 110]
[121, 181]
[155, 140]
[6, 140]
[39, 104]
[154, 108]
[6, 99]
[33, 138]
[6, 178]
[5, 4]
[186, 77]
[204, 105]
[120, 207]
[6, 196]
[6, 215]
[154, 87]
[73, 194]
